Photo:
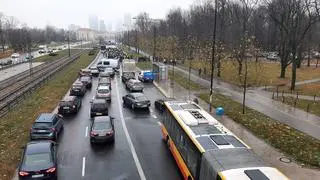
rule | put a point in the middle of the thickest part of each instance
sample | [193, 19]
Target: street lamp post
[69, 43]
[213, 53]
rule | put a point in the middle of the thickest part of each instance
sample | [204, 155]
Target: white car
[103, 92]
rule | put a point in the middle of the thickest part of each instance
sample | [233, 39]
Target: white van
[15, 58]
[104, 63]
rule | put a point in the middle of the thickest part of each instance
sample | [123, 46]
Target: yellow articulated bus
[205, 150]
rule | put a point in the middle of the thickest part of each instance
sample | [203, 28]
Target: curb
[161, 90]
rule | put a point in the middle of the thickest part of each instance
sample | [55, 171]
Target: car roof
[69, 98]
[45, 117]
[38, 147]
[99, 101]
[137, 94]
[101, 119]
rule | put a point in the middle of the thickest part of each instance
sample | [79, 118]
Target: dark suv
[78, 89]
[46, 126]
[86, 80]
[99, 107]
[69, 105]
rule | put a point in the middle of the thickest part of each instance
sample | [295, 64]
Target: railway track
[14, 89]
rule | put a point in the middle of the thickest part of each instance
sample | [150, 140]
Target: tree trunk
[309, 54]
[219, 65]
[294, 74]
[240, 68]
[283, 71]
[317, 62]
[244, 88]
[299, 60]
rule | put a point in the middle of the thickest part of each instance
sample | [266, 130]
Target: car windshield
[99, 106]
[141, 98]
[65, 103]
[37, 159]
[137, 84]
[42, 125]
[85, 78]
[103, 91]
[101, 126]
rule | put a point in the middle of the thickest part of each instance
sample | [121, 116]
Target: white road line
[154, 116]
[83, 165]
[133, 151]
[86, 135]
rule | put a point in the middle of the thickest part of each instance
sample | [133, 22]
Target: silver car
[103, 92]
[134, 85]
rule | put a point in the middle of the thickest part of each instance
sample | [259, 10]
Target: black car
[69, 105]
[99, 107]
[109, 71]
[136, 100]
[126, 76]
[159, 103]
[102, 130]
[78, 89]
[39, 161]
[86, 80]
[46, 126]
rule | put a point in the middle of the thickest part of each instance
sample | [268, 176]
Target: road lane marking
[83, 165]
[154, 116]
[133, 151]
[86, 132]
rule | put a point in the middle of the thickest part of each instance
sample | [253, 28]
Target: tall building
[94, 22]
[109, 27]
[102, 26]
[127, 20]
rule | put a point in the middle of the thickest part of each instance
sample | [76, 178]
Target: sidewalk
[257, 100]
[269, 154]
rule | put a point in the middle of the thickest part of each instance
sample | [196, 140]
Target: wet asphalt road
[79, 160]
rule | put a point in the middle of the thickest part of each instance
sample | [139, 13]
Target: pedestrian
[200, 70]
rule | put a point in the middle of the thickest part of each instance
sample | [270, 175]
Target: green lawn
[144, 65]
[259, 74]
[184, 82]
[14, 127]
[311, 106]
[60, 54]
[310, 89]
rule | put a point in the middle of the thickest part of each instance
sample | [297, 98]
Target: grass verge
[259, 74]
[311, 89]
[314, 106]
[296, 144]
[144, 65]
[14, 127]
[50, 58]
[184, 82]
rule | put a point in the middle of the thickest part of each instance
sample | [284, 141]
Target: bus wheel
[189, 178]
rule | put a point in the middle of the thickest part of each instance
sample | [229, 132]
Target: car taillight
[93, 133]
[53, 129]
[51, 170]
[110, 132]
[22, 173]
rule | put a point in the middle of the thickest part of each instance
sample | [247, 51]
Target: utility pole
[154, 42]
[69, 44]
[213, 53]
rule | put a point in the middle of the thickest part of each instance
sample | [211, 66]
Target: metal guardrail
[39, 79]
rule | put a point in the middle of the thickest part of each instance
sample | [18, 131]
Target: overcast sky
[61, 13]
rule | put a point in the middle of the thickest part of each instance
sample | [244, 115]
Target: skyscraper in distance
[94, 22]
[102, 26]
